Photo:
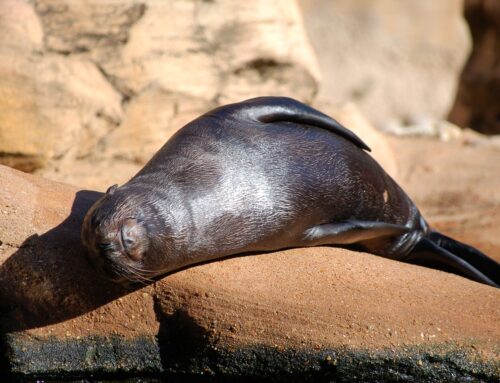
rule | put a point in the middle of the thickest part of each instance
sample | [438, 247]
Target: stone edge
[103, 358]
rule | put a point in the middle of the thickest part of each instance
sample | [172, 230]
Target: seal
[264, 174]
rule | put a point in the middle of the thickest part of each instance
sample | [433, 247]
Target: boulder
[26, 36]
[81, 26]
[96, 80]
[397, 59]
[51, 106]
[151, 118]
[302, 314]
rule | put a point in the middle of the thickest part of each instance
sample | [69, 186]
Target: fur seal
[264, 174]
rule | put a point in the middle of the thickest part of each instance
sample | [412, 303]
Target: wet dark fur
[264, 174]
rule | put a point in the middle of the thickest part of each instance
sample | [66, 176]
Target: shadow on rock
[49, 279]
[184, 343]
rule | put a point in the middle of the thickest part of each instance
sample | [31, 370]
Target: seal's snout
[134, 239]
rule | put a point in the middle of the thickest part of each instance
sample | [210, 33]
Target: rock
[393, 58]
[14, 34]
[151, 118]
[52, 105]
[252, 51]
[274, 59]
[93, 173]
[85, 26]
[455, 184]
[476, 104]
[422, 126]
[69, 68]
[303, 314]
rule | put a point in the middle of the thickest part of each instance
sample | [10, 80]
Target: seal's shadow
[49, 280]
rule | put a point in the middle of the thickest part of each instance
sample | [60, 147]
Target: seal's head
[119, 237]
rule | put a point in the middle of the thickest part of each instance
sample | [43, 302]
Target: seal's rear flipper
[284, 109]
[471, 255]
[447, 254]
[350, 232]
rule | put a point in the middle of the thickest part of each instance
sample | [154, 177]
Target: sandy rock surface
[455, 184]
[26, 36]
[302, 299]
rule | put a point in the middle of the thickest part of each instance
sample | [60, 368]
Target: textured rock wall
[112, 78]
[48, 102]
[106, 83]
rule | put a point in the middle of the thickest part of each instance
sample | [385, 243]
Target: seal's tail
[444, 253]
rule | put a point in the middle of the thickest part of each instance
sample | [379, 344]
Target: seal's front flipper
[284, 109]
[350, 232]
[431, 254]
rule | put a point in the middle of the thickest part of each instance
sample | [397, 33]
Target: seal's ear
[112, 189]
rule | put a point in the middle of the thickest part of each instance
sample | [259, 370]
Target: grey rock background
[399, 60]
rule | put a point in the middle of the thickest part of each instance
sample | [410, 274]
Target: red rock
[302, 299]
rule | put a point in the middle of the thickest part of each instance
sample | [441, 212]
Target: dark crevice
[476, 101]
[263, 66]
[5, 370]
[126, 94]
[23, 162]
[85, 41]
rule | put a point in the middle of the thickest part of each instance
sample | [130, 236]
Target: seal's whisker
[135, 278]
[140, 278]
[130, 275]
[142, 270]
